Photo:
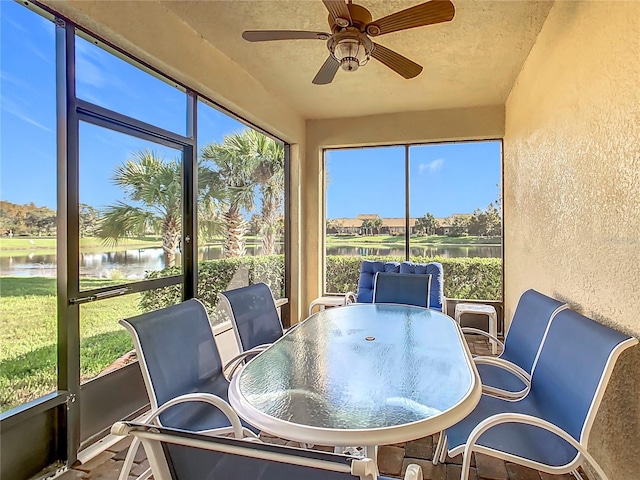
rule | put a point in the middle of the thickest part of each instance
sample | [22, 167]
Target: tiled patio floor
[392, 459]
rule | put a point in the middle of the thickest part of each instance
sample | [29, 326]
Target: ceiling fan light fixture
[351, 49]
[350, 54]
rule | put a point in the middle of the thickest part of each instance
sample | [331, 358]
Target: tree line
[27, 219]
[482, 223]
[232, 174]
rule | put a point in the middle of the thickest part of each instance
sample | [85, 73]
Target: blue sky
[445, 179]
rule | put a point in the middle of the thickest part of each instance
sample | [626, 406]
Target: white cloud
[431, 167]
[14, 109]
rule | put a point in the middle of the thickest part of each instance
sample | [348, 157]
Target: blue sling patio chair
[254, 315]
[548, 429]
[180, 455]
[255, 321]
[509, 374]
[182, 372]
[402, 288]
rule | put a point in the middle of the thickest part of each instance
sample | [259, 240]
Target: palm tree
[153, 185]
[235, 166]
[270, 176]
[245, 160]
[376, 225]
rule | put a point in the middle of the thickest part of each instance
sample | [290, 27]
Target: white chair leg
[128, 460]
[466, 464]
[493, 330]
[439, 447]
[577, 475]
[443, 449]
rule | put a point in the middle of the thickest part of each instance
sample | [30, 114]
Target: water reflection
[123, 264]
[132, 264]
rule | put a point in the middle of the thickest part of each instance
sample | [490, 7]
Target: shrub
[215, 276]
[471, 278]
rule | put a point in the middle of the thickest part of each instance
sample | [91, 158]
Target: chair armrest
[505, 365]
[512, 369]
[477, 331]
[502, 418]
[281, 301]
[211, 399]
[233, 365]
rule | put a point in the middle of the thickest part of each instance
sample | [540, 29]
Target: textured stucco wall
[572, 192]
[474, 123]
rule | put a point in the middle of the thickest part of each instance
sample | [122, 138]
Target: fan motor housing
[360, 18]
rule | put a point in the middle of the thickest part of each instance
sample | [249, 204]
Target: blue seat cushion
[368, 270]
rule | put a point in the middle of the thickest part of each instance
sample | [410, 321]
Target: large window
[130, 207]
[434, 202]
[241, 207]
[112, 204]
[128, 204]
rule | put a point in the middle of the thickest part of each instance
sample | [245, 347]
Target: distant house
[445, 224]
[368, 216]
[351, 226]
[390, 226]
[397, 226]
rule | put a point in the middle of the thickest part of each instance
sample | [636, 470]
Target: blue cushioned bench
[369, 269]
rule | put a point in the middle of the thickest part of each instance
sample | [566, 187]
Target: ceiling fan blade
[327, 71]
[429, 13]
[267, 35]
[338, 9]
[396, 62]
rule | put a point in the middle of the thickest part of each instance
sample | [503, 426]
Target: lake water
[132, 264]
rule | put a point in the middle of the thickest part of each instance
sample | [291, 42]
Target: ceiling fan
[351, 26]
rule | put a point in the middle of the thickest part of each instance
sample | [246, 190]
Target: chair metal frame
[524, 375]
[156, 438]
[554, 336]
[221, 404]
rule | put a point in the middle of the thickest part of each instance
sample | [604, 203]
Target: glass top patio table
[362, 374]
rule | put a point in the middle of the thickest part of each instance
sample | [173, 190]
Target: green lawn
[47, 245]
[398, 240]
[28, 336]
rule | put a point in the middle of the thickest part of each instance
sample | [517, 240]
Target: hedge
[471, 278]
[215, 276]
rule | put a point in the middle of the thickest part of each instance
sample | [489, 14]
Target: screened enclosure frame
[58, 425]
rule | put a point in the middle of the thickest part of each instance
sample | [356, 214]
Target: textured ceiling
[471, 61]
